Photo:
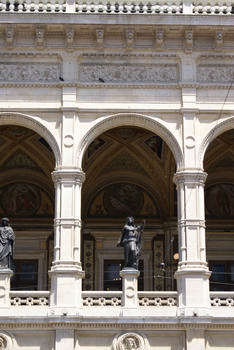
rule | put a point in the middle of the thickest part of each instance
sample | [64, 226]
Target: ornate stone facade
[129, 105]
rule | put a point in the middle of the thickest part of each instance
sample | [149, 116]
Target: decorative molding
[219, 40]
[7, 341]
[42, 72]
[130, 341]
[67, 175]
[159, 39]
[135, 73]
[69, 37]
[193, 177]
[188, 41]
[100, 37]
[128, 119]
[215, 73]
[129, 38]
[40, 36]
[9, 37]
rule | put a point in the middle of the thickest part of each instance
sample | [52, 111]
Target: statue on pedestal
[130, 239]
[7, 240]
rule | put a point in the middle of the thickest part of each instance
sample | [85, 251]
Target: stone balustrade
[195, 7]
[157, 299]
[113, 298]
[222, 299]
[102, 298]
[29, 298]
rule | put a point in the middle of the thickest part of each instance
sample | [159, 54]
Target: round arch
[130, 119]
[216, 130]
[30, 123]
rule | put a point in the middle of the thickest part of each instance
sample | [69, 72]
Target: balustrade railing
[29, 298]
[195, 7]
[104, 298]
[222, 299]
[112, 298]
[157, 298]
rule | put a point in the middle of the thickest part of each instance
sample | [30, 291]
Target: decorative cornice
[221, 323]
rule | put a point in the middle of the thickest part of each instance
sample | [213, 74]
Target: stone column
[130, 289]
[192, 274]
[66, 272]
[5, 278]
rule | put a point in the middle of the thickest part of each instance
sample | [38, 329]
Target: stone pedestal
[193, 291]
[5, 278]
[66, 289]
[129, 287]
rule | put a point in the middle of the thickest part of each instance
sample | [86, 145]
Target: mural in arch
[24, 200]
[120, 198]
[219, 200]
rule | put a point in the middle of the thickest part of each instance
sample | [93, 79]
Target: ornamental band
[130, 239]
[7, 239]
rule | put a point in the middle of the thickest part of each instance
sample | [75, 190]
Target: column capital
[190, 176]
[64, 174]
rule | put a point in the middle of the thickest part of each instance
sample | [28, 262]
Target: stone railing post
[193, 273]
[187, 7]
[70, 6]
[130, 290]
[5, 279]
[66, 271]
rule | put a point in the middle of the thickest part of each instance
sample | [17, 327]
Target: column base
[193, 290]
[66, 289]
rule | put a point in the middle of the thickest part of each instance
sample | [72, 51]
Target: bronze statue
[7, 239]
[130, 239]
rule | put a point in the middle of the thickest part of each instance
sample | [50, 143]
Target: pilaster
[64, 339]
[192, 274]
[195, 339]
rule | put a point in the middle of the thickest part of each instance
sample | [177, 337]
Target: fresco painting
[219, 200]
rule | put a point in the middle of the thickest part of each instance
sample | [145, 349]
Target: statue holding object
[130, 239]
[7, 240]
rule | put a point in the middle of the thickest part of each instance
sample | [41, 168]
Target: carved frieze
[41, 72]
[120, 73]
[215, 73]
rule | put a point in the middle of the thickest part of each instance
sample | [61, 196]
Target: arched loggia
[129, 172]
[130, 119]
[219, 207]
[27, 199]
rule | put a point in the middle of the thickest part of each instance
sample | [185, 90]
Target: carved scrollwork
[45, 72]
[215, 73]
[6, 341]
[130, 341]
[117, 73]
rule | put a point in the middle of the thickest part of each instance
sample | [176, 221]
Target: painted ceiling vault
[128, 172]
[26, 162]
